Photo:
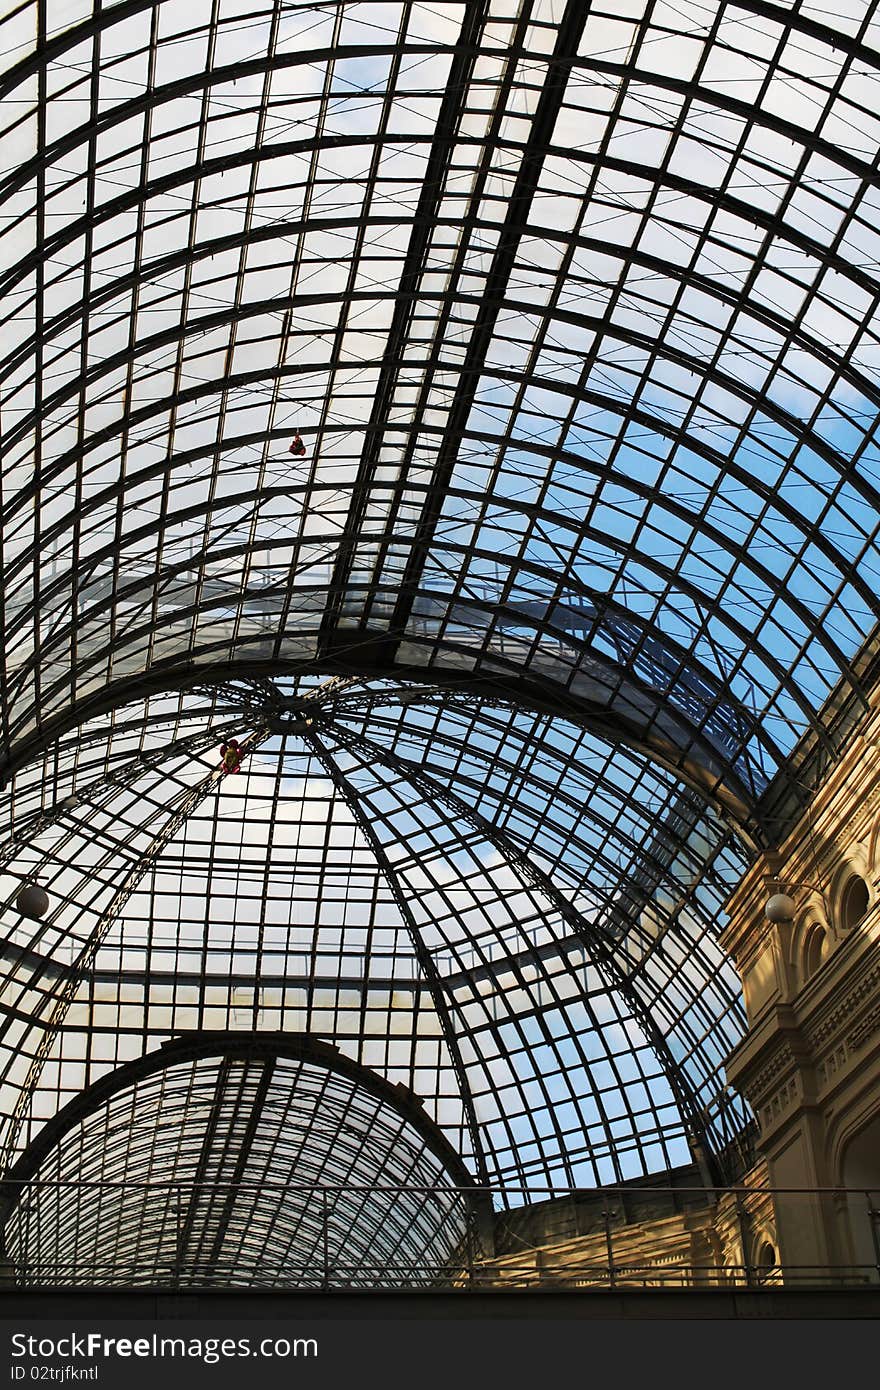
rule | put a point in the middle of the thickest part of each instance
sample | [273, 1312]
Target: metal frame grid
[576, 306]
[247, 1130]
[511, 916]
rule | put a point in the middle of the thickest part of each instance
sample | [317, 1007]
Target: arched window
[767, 1262]
[860, 1175]
[815, 951]
[854, 902]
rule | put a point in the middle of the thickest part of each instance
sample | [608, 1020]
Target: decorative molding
[782, 1101]
[869, 1023]
[845, 1008]
[783, 1057]
[832, 1064]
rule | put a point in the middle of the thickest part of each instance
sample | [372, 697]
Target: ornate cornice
[837, 1018]
[782, 1059]
[869, 1023]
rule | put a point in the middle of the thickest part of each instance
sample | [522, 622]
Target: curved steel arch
[737, 805]
[302, 1047]
[660, 424]
[565, 60]
[698, 597]
[242, 1221]
[267, 492]
[699, 448]
[102, 19]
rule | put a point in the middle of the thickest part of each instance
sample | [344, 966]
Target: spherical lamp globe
[780, 908]
[32, 901]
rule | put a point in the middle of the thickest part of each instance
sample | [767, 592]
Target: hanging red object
[297, 448]
[231, 754]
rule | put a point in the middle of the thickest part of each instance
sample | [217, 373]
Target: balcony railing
[178, 1234]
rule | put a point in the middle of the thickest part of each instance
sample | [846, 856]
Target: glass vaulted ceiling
[513, 918]
[243, 1132]
[575, 306]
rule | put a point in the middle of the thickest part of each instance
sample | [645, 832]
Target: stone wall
[649, 1238]
[810, 1064]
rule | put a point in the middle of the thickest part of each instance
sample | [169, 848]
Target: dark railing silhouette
[487, 1238]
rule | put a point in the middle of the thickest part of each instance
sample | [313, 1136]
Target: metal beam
[428, 968]
[179, 812]
[600, 950]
